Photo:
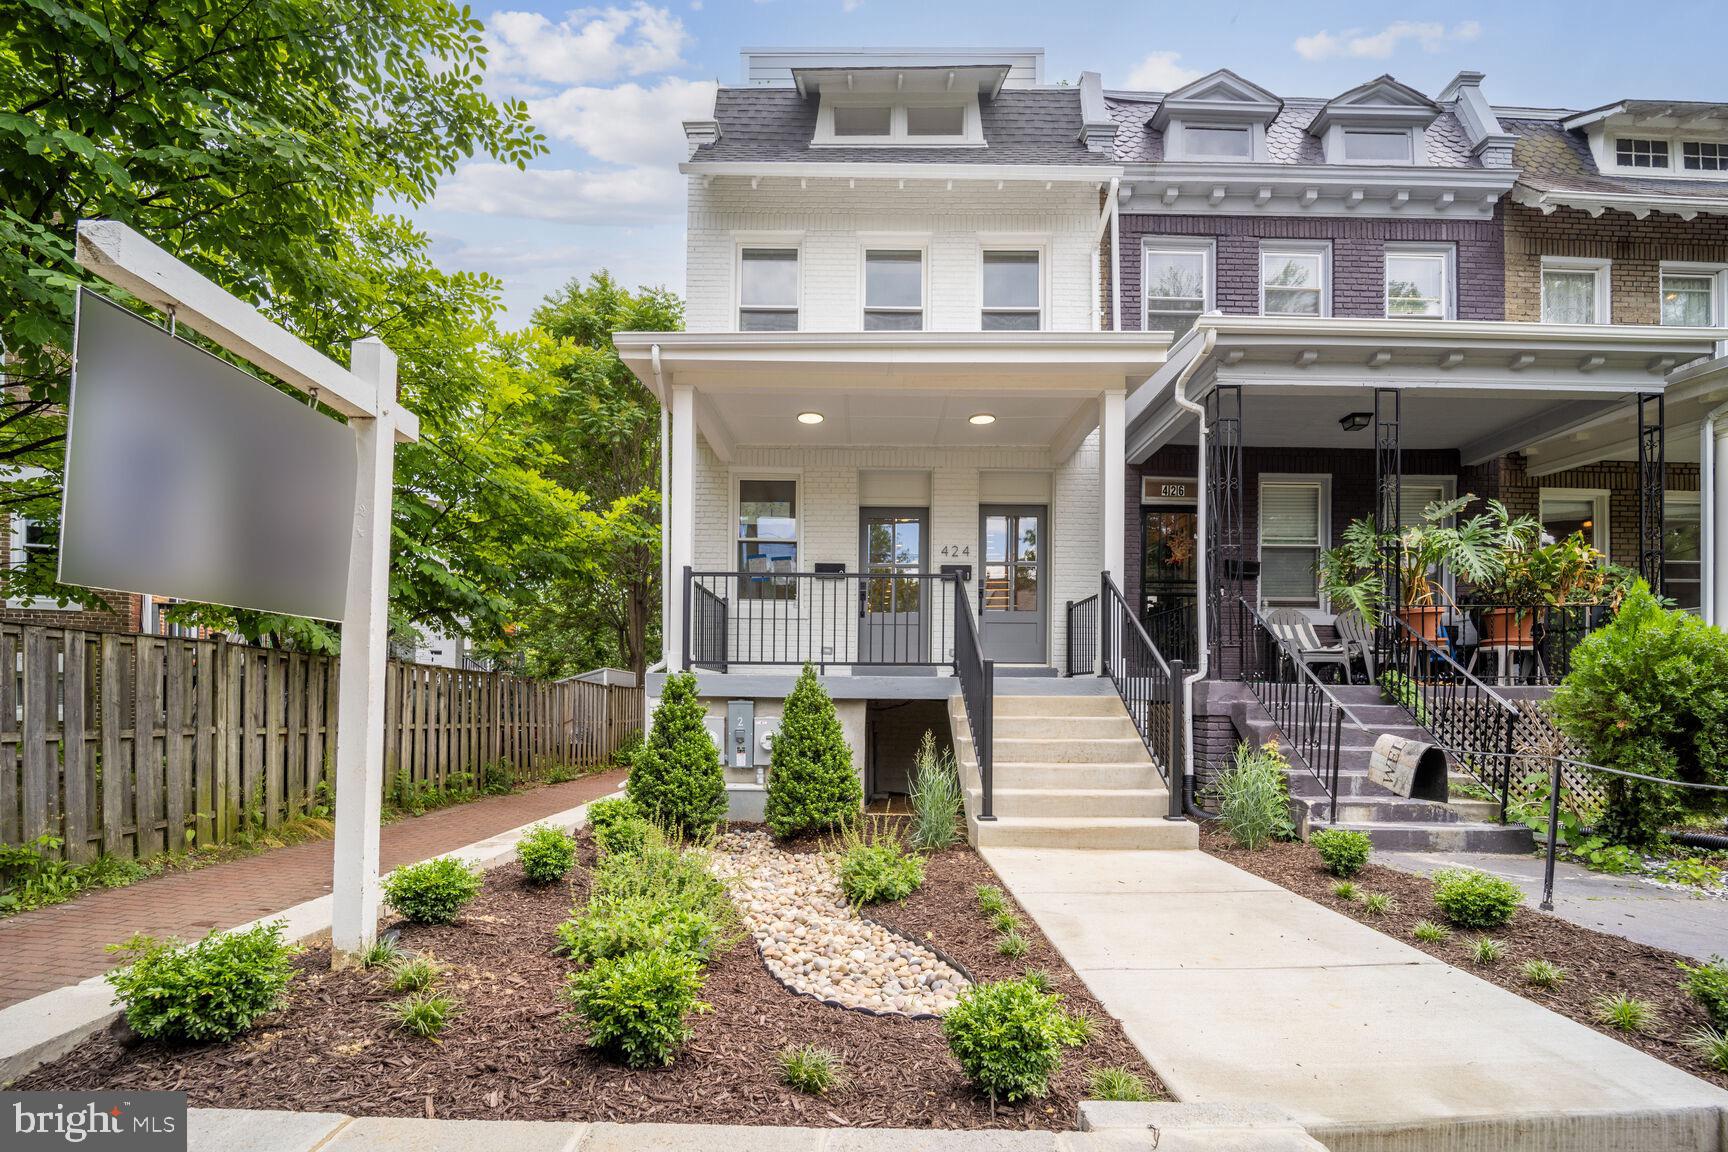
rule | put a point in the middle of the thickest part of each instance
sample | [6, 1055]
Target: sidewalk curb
[46, 1027]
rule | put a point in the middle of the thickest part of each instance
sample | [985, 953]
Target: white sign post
[367, 397]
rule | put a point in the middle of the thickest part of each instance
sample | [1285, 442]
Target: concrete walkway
[1680, 920]
[1238, 992]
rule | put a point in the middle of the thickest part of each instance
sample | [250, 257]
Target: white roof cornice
[1639, 204]
[1294, 190]
[902, 170]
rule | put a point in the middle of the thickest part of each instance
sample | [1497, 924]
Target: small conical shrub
[675, 776]
[811, 785]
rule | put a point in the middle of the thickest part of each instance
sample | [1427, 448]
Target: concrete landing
[1240, 992]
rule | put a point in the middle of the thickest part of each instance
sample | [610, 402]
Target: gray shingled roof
[1551, 159]
[1021, 126]
[1287, 137]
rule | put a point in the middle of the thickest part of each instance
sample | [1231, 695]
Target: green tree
[811, 784]
[676, 777]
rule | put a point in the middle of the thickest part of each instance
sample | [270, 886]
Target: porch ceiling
[926, 417]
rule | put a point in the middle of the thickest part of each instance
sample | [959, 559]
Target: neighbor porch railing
[1082, 632]
[1149, 685]
[1537, 641]
[1307, 713]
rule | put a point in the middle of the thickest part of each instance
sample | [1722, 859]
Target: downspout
[1179, 393]
[1713, 588]
[1115, 255]
[665, 489]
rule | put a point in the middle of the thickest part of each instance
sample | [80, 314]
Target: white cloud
[1429, 35]
[626, 123]
[568, 195]
[1161, 72]
[586, 47]
[851, 5]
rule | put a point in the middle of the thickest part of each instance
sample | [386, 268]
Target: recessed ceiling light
[982, 418]
[809, 417]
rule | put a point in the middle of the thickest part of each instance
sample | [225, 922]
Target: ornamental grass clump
[1008, 1038]
[1431, 933]
[1344, 851]
[809, 1069]
[877, 872]
[1543, 973]
[675, 779]
[935, 798]
[1626, 1013]
[1118, 1084]
[415, 974]
[546, 854]
[424, 1014]
[432, 892]
[992, 901]
[637, 1006]
[1473, 899]
[1253, 797]
[211, 990]
[1711, 1044]
[1485, 951]
[811, 784]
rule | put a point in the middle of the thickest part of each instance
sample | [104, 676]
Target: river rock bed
[813, 942]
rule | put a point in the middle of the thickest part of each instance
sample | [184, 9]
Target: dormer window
[1378, 146]
[1381, 122]
[1205, 142]
[1636, 152]
[1703, 156]
[910, 121]
[863, 120]
[935, 120]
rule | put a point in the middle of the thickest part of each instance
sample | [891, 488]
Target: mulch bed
[1596, 963]
[511, 1054]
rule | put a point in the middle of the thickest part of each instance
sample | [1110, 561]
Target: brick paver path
[51, 947]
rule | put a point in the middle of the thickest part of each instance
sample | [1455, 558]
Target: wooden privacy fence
[127, 745]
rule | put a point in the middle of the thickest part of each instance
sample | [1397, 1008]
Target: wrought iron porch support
[1652, 469]
[1224, 527]
[1388, 494]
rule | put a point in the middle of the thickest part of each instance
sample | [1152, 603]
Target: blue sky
[608, 85]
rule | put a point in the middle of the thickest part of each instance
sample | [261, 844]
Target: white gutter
[1713, 587]
[665, 482]
[1116, 257]
[1178, 393]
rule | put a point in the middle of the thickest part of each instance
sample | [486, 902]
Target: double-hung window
[1418, 284]
[768, 538]
[1574, 291]
[1177, 284]
[768, 290]
[1013, 291]
[1681, 536]
[1293, 281]
[1689, 295]
[893, 290]
[1292, 536]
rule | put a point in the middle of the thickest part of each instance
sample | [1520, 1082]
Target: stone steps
[1093, 832]
[1069, 750]
[1117, 727]
[1034, 801]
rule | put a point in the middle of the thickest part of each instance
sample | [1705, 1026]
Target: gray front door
[893, 619]
[1012, 597]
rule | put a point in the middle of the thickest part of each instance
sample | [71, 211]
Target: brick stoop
[1070, 772]
[1393, 822]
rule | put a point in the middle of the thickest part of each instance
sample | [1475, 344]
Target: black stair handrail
[1149, 686]
[977, 675]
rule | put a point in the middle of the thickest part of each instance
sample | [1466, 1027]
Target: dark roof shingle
[1551, 159]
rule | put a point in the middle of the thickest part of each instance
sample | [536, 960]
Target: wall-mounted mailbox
[740, 745]
[830, 568]
[963, 571]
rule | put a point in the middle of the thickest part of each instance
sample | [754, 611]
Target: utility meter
[740, 733]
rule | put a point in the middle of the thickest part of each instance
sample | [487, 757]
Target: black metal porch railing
[1082, 654]
[787, 619]
[1524, 644]
[1173, 623]
[1475, 724]
[1149, 685]
[977, 676]
[1307, 712]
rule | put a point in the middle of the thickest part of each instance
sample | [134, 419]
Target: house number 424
[952, 550]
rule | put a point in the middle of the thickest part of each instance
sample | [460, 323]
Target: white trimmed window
[1217, 142]
[906, 121]
[1640, 152]
[1703, 156]
[1691, 294]
[1568, 511]
[1681, 537]
[1013, 290]
[893, 290]
[1293, 280]
[767, 537]
[1419, 283]
[1378, 146]
[767, 289]
[1293, 513]
[1176, 284]
[1574, 291]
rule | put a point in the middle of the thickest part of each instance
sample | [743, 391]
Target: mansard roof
[1288, 140]
[1220, 95]
[1556, 163]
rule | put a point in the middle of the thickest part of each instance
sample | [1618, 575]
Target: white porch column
[1112, 481]
[1716, 561]
[683, 517]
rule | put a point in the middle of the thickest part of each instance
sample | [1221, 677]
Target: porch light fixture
[1355, 421]
[982, 418]
[809, 417]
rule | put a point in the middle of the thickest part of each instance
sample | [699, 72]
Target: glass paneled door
[1167, 582]
[1012, 597]
[893, 620]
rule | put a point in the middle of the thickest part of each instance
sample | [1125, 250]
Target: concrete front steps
[1069, 772]
[1394, 823]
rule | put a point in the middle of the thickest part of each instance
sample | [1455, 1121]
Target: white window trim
[1041, 245]
[1603, 533]
[734, 481]
[1602, 267]
[1207, 246]
[15, 523]
[1448, 274]
[1176, 141]
[897, 103]
[743, 240]
[1718, 274]
[1322, 249]
[884, 242]
[1320, 480]
[1448, 491]
[1333, 145]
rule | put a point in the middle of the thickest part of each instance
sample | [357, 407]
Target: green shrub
[1012, 945]
[1711, 1044]
[1008, 1037]
[637, 1005]
[432, 892]
[602, 813]
[1344, 851]
[935, 798]
[678, 876]
[1543, 973]
[613, 928]
[675, 779]
[1253, 797]
[878, 872]
[811, 785]
[1625, 1013]
[623, 837]
[1708, 985]
[1648, 693]
[1472, 899]
[33, 875]
[1118, 1084]
[809, 1068]
[992, 901]
[415, 974]
[546, 854]
[1431, 933]
[1486, 951]
[424, 1014]
[211, 990]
